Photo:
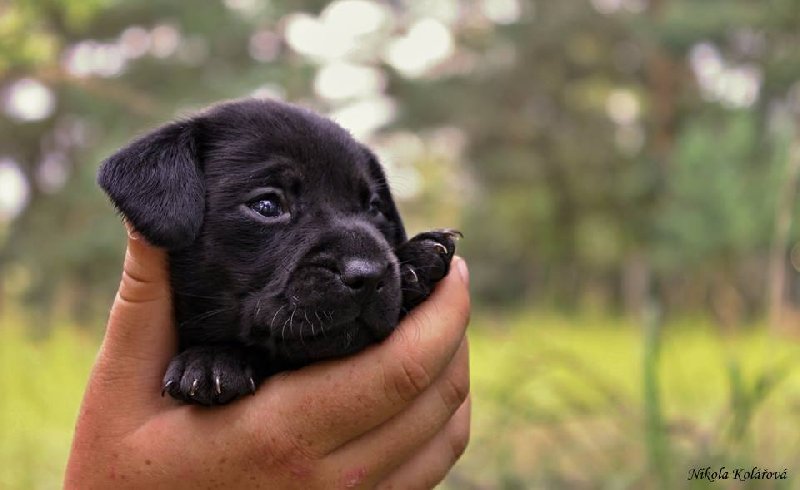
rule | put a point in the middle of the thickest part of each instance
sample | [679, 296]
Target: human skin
[393, 416]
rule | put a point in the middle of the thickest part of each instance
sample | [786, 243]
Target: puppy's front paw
[210, 375]
[424, 261]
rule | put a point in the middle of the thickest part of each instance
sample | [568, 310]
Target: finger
[140, 337]
[343, 399]
[378, 451]
[432, 462]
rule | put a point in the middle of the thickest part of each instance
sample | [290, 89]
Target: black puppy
[285, 246]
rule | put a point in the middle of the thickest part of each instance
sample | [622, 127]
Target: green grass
[558, 403]
[41, 385]
[584, 403]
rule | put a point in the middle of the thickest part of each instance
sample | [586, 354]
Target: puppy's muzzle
[350, 276]
[364, 277]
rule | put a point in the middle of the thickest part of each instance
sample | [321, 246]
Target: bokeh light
[135, 42]
[28, 99]
[14, 189]
[89, 58]
[264, 45]
[341, 80]
[165, 40]
[427, 43]
[364, 116]
[732, 85]
[502, 11]
[622, 106]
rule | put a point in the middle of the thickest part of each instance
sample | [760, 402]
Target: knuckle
[135, 290]
[454, 389]
[459, 440]
[409, 380]
[293, 452]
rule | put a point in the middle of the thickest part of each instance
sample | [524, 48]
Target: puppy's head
[280, 228]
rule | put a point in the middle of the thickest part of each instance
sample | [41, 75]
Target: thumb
[140, 337]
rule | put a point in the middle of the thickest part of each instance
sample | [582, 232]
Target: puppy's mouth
[293, 322]
[324, 312]
[299, 342]
[318, 325]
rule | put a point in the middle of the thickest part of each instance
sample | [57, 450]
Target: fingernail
[463, 271]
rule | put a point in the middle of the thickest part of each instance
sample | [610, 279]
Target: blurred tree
[594, 152]
[613, 141]
[110, 70]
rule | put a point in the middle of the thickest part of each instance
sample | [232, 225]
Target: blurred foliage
[594, 153]
[690, 182]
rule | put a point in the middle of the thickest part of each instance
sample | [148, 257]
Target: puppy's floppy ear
[156, 182]
[398, 232]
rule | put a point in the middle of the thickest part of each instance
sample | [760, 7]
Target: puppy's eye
[268, 205]
[269, 208]
[375, 205]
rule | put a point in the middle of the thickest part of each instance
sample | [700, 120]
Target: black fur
[256, 295]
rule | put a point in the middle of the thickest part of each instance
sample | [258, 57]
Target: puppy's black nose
[363, 275]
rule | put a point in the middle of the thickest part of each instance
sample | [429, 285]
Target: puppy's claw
[217, 386]
[166, 387]
[411, 273]
[453, 233]
[193, 389]
[440, 248]
[252, 385]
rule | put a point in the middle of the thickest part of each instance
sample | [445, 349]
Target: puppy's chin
[341, 341]
[298, 333]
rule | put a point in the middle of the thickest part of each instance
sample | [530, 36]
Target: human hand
[394, 416]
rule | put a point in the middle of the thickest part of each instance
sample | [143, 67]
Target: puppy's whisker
[206, 315]
[321, 326]
[192, 295]
[291, 321]
[423, 267]
[258, 308]
[300, 329]
[274, 316]
[283, 330]
[305, 314]
[403, 262]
